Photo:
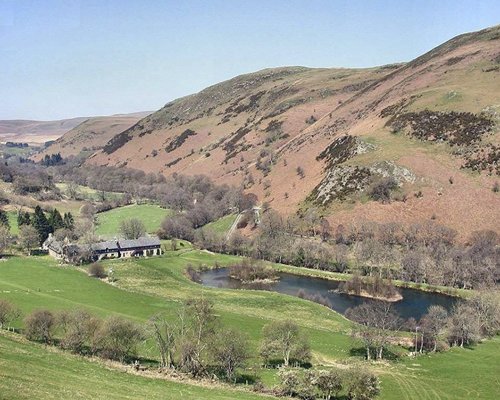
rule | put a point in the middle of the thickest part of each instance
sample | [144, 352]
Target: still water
[414, 303]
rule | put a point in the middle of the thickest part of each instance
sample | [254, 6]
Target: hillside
[91, 134]
[36, 131]
[300, 136]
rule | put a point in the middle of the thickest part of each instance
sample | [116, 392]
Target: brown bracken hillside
[300, 137]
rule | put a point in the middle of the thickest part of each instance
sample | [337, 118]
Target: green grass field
[14, 228]
[31, 371]
[147, 286]
[151, 215]
[222, 225]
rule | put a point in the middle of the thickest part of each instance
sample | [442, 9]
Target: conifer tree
[41, 224]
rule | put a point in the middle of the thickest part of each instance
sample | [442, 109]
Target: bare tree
[28, 238]
[4, 237]
[230, 351]
[377, 323]
[8, 313]
[283, 339]
[432, 324]
[198, 325]
[132, 228]
[165, 334]
[39, 326]
[463, 325]
[117, 338]
[78, 328]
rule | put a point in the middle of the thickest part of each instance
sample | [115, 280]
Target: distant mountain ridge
[91, 134]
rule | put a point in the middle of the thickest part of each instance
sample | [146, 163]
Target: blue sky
[70, 58]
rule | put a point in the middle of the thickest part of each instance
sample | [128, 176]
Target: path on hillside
[255, 210]
[234, 225]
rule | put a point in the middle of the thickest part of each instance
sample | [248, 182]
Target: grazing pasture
[145, 287]
[108, 222]
[223, 224]
[47, 373]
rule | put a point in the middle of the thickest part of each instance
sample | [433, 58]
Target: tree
[132, 228]
[28, 237]
[69, 221]
[486, 305]
[198, 326]
[463, 325]
[39, 326]
[230, 351]
[117, 338]
[72, 190]
[283, 339]
[23, 218]
[4, 219]
[431, 325]
[78, 329]
[165, 335]
[55, 220]
[88, 211]
[329, 383]
[377, 321]
[8, 313]
[177, 226]
[381, 190]
[363, 385]
[4, 237]
[41, 224]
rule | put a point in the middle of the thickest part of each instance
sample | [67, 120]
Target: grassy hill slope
[145, 287]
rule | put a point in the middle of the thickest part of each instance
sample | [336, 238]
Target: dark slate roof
[52, 244]
[124, 244]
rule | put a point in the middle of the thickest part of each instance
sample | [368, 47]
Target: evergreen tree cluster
[45, 224]
[53, 159]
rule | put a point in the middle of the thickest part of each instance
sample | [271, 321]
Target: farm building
[145, 246]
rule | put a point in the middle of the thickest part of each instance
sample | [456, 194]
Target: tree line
[424, 253]
[466, 324]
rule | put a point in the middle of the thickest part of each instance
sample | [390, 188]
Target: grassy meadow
[32, 371]
[222, 225]
[108, 222]
[147, 286]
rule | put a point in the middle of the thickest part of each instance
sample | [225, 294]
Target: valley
[294, 232]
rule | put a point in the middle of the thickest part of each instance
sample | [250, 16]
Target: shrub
[381, 190]
[363, 385]
[251, 270]
[117, 339]
[8, 313]
[39, 326]
[96, 270]
[78, 328]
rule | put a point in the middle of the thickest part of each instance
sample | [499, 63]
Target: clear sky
[70, 58]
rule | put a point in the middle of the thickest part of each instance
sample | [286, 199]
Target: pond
[414, 303]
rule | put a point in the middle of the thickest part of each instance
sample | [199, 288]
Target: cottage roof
[123, 244]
